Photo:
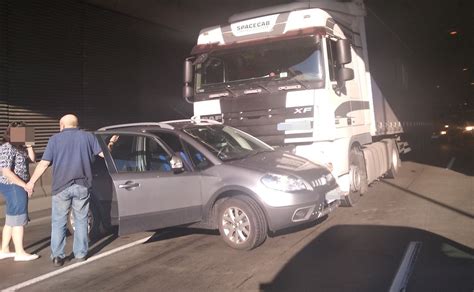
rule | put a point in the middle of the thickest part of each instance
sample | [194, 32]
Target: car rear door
[149, 194]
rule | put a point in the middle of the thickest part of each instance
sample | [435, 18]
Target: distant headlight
[443, 132]
[284, 183]
[469, 128]
[446, 126]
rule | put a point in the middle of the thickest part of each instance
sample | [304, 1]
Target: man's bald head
[68, 121]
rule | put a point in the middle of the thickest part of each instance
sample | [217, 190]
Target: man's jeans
[76, 196]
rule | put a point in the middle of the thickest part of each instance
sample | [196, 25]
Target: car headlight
[443, 132]
[284, 183]
[469, 128]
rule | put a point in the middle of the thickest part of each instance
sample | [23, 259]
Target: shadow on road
[176, 232]
[460, 212]
[367, 257]
[39, 245]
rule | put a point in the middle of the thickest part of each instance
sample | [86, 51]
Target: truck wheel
[242, 223]
[358, 177]
[393, 171]
[94, 228]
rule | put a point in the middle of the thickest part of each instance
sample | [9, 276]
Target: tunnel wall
[65, 56]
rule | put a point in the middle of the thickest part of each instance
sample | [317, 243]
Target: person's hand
[114, 138]
[112, 141]
[29, 192]
[29, 188]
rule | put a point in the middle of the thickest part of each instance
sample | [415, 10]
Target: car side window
[174, 142]
[136, 153]
[199, 160]
[156, 157]
[124, 152]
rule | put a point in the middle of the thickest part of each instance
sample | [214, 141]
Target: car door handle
[129, 185]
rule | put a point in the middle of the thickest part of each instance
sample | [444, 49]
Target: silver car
[204, 174]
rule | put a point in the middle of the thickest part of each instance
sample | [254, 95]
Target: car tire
[358, 178]
[242, 223]
[94, 228]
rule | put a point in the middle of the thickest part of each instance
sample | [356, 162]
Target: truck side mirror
[188, 93]
[188, 90]
[188, 71]
[345, 74]
[343, 49]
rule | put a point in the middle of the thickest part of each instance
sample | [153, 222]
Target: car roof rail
[163, 125]
[194, 119]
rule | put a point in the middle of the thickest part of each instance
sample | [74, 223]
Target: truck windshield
[227, 143]
[297, 59]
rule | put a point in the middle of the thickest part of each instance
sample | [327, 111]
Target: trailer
[297, 75]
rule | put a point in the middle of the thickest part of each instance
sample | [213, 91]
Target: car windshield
[227, 143]
[296, 59]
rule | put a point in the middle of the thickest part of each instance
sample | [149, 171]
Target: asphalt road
[430, 204]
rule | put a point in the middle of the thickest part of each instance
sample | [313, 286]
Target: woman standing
[14, 160]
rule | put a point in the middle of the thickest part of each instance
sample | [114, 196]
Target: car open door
[150, 194]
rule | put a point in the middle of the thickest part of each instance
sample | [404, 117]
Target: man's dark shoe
[58, 262]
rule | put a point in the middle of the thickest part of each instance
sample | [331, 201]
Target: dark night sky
[440, 66]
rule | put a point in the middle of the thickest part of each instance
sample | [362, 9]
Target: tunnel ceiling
[183, 15]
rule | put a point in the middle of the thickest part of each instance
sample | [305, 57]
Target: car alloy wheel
[241, 222]
[90, 221]
[236, 225]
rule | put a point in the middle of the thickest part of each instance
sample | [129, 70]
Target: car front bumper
[289, 216]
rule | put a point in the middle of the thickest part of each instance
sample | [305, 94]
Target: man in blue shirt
[71, 153]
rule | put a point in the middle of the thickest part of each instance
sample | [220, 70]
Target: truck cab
[294, 75]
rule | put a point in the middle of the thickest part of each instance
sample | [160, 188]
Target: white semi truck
[297, 75]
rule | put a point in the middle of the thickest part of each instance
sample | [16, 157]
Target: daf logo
[303, 110]
[215, 118]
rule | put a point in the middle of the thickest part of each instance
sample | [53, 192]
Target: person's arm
[31, 153]
[39, 170]
[7, 157]
[112, 141]
[12, 177]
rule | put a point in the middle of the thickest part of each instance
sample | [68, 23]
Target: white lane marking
[73, 266]
[400, 281]
[451, 162]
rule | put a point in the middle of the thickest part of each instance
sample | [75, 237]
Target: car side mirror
[176, 164]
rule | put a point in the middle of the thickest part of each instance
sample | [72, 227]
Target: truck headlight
[284, 183]
[469, 128]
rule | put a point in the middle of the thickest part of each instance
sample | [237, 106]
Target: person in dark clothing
[71, 152]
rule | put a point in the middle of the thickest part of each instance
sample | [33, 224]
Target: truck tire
[358, 177]
[242, 223]
[395, 164]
